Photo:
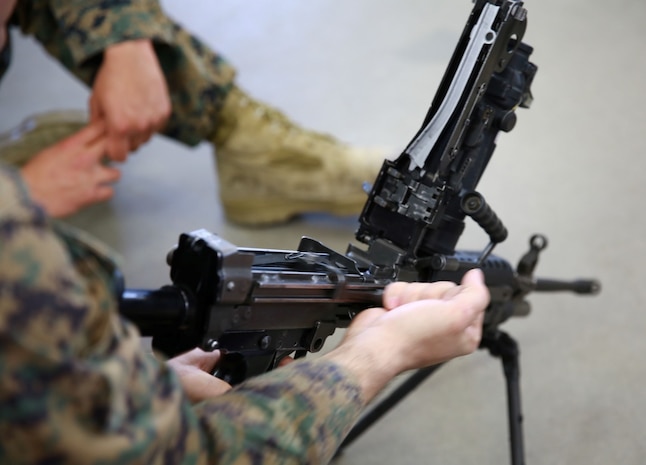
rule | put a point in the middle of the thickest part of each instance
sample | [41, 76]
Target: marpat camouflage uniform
[76, 32]
[270, 169]
[77, 387]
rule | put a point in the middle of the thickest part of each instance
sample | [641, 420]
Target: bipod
[500, 344]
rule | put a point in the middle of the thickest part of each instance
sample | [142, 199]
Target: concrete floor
[572, 169]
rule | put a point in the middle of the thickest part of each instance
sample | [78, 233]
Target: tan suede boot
[37, 132]
[271, 170]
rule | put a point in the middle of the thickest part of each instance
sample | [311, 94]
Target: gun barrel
[579, 286]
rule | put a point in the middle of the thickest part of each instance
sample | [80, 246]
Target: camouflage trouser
[198, 78]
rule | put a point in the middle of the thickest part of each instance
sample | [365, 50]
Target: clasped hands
[128, 104]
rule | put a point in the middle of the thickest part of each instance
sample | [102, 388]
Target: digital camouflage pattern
[76, 32]
[78, 388]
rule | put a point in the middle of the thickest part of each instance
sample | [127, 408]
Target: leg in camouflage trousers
[270, 169]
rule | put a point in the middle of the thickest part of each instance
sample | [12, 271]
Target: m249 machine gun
[260, 306]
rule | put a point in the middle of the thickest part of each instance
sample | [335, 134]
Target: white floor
[572, 169]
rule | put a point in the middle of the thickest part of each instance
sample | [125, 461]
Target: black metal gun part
[258, 306]
[429, 189]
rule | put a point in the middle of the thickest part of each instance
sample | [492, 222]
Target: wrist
[140, 47]
[370, 358]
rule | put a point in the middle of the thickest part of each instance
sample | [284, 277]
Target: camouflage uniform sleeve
[90, 26]
[77, 387]
[295, 415]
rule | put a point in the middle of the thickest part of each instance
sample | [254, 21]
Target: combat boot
[271, 169]
[37, 132]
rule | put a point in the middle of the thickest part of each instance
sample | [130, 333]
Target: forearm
[371, 372]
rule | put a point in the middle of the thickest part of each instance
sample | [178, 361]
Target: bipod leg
[501, 345]
[382, 407]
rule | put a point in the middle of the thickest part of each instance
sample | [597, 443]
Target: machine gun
[260, 305]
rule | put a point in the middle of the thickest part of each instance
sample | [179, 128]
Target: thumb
[206, 361]
[199, 358]
[474, 277]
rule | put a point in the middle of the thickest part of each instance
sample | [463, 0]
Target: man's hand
[453, 328]
[69, 175]
[421, 324]
[131, 95]
[194, 369]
